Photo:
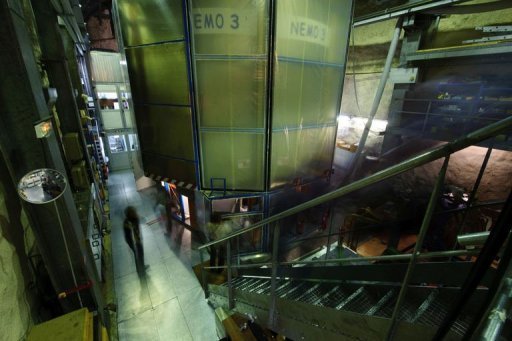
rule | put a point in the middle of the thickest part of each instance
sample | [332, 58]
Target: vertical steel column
[378, 97]
[273, 279]
[230, 283]
[204, 284]
[419, 243]
[331, 214]
[270, 86]
[67, 253]
[190, 52]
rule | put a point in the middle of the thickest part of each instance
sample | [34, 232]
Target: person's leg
[140, 257]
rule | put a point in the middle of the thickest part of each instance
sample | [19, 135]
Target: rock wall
[14, 309]
[462, 172]
[101, 34]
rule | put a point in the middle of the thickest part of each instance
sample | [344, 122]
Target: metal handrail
[435, 254]
[416, 161]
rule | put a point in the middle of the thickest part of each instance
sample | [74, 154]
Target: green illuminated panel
[229, 27]
[313, 29]
[150, 21]
[231, 93]
[166, 131]
[305, 94]
[302, 154]
[236, 157]
[158, 74]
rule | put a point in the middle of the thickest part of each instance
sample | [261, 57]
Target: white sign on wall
[304, 29]
[223, 21]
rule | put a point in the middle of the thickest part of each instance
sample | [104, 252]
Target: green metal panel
[229, 27]
[150, 21]
[231, 93]
[166, 130]
[236, 157]
[158, 74]
[311, 42]
[172, 168]
[230, 53]
[302, 153]
[305, 94]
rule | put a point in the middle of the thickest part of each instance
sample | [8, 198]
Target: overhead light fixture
[43, 128]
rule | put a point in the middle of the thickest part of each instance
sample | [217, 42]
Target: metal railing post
[204, 284]
[273, 279]
[357, 161]
[331, 215]
[473, 193]
[230, 283]
[419, 243]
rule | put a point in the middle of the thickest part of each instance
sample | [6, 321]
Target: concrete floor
[168, 303]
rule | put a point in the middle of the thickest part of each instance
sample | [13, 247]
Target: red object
[81, 287]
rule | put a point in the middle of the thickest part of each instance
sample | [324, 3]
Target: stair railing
[443, 151]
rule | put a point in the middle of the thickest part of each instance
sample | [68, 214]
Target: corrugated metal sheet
[106, 67]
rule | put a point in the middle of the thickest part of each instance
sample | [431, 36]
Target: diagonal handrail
[416, 161]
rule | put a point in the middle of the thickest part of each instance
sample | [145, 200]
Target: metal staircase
[442, 295]
[369, 297]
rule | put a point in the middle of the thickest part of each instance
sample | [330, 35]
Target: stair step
[283, 287]
[308, 292]
[423, 307]
[350, 298]
[259, 286]
[322, 300]
[294, 291]
[381, 303]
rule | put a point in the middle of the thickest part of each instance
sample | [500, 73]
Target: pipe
[473, 239]
[356, 163]
[416, 161]
[436, 254]
[67, 252]
[498, 315]
[403, 10]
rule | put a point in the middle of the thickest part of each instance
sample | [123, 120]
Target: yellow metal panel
[231, 93]
[302, 154]
[150, 21]
[234, 156]
[166, 130]
[75, 326]
[158, 74]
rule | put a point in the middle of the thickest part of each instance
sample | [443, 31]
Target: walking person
[133, 237]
